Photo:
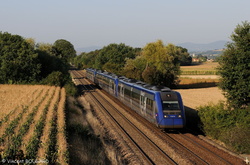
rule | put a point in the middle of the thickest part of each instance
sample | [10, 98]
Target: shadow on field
[197, 85]
[193, 120]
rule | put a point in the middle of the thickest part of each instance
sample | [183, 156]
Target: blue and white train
[160, 106]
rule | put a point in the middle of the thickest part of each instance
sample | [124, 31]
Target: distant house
[210, 60]
[195, 60]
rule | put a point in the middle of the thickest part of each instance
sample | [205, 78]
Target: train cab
[107, 81]
[91, 74]
[172, 113]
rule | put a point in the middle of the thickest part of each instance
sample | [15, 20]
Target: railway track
[151, 153]
[190, 147]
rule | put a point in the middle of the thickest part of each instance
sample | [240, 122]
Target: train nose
[169, 122]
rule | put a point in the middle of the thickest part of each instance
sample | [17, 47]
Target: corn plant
[16, 141]
[32, 147]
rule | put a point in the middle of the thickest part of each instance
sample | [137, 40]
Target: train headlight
[179, 116]
[165, 116]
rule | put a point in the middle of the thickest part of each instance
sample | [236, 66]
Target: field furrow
[12, 96]
[46, 131]
[16, 139]
[33, 126]
[11, 138]
[36, 118]
[34, 142]
[9, 114]
[61, 126]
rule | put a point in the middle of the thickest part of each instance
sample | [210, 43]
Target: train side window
[127, 92]
[136, 97]
[149, 103]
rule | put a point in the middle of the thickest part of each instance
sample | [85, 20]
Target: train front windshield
[171, 109]
[170, 105]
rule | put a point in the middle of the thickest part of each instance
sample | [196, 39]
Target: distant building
[210, 60]
[195, 60]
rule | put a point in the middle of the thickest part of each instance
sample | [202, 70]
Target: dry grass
[208, 68]
[201, 67]
[193, 98]
[199, 76]
[85, 142]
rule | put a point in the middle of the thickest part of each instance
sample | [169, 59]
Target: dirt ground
[194, 98]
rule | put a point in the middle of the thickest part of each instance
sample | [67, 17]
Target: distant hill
[193, 47]
[88, 49]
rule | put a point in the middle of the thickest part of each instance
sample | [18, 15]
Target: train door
[155, 114]
[114, 88]
[111, 87]
[121, 92]
[143, 103]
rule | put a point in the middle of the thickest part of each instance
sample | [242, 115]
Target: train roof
[132, 82]
[107, 74]
[91, 69]
[143, 86]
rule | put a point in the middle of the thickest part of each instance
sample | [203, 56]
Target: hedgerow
[229, 126]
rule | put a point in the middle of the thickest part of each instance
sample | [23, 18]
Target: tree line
[229, 121]
[156, 63]
[23, 61]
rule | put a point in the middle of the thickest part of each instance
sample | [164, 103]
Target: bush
[229, 126]
[238, 139]
[70, 88]
[55, 78]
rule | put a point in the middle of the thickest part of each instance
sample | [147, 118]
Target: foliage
[184, 57]
[162, 64]
[23, 61]
[86, 60]
[56, 78]
[64, 50]
[221, 123]
[49, 62]
[235, 67]
[134, 67]
[70, 88]
[112, 57]
[201, 58]
[18, 60]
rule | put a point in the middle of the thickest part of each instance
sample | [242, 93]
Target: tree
[112, 57]
[134, 67]
[49, 62]
[235, 68]
[86, 60]
[18, 60]
[184, 57]
[64, 50]
[162, 64]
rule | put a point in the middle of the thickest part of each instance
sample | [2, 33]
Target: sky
[87, 23]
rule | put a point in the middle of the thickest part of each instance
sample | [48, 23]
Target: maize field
[32, 124]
